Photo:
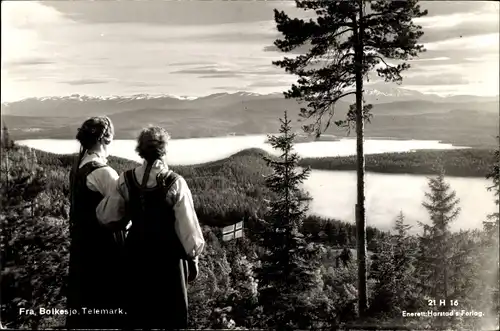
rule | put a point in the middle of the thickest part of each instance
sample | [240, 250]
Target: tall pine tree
[348, 40]
[288, 271]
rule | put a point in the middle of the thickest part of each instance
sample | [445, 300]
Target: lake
[333, 192]
[334, 195]
[200, 150]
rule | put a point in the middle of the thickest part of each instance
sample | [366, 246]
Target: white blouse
[112, 207]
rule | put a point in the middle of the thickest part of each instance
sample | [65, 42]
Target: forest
[240, 285]
[456, 162]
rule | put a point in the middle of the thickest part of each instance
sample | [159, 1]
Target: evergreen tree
[442, 206]
[348, 40]
[394, 272]
[289, 264]
[446, 263]
[5, 140]
[34, 259]
[490, 246]
[208, 296]
[494, 174]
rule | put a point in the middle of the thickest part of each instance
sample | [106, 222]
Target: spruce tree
[494, 174]
[6, 141]
[490, 246]
[446, 262]
[394, 272]
[289, 264]
[348, 40]
[449, 264]
[442, 205]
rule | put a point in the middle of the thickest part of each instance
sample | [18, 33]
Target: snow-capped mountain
[384, 93]
[81, 105]
[399, 113]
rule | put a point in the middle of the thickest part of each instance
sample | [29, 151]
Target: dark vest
[153, 219]
[84, 201]
[94, 266]
[157, 276]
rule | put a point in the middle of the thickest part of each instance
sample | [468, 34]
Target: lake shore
[201, 150]
[468, 162]
[333, 191]
[457, 163]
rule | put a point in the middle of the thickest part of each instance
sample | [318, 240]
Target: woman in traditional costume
[164, 240]
[93, 289]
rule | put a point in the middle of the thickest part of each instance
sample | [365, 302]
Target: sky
[195, 48]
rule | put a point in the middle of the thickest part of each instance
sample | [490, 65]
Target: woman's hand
[192, 269]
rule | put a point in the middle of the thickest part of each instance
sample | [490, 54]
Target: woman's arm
[111, 210]
[186, 221]
[187, 226]
[103, 180]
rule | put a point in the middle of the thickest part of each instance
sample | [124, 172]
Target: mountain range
[398, 113]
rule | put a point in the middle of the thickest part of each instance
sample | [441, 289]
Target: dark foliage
[35, 239]
[460, 162]
[393, 271]
[290, 265]
[334, 39]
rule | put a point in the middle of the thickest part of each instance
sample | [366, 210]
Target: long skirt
[158, 294]
[96, 287]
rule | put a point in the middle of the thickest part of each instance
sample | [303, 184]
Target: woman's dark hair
[95, 130]
[152, 143]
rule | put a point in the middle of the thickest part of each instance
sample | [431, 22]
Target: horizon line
[192, 97]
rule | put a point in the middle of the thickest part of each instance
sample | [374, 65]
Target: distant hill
[398, 113]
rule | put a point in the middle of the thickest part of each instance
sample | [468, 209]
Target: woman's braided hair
[95, 130]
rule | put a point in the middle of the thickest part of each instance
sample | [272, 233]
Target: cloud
[464, 89]
[277, 83]
[438, 57]
[28, 62]
[440, 8]
[222, 75]
[85, 82]
[27, 14]
[165, 12]
[436, 79]
[190, 63]
[173, 13]
[172, 47]
[226, 88]
[202, 71]
[488, 42]
[23, 22]
[465, 29]
[215, 71]
[431, 59]
[445, 21]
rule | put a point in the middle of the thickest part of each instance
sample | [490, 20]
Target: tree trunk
[360, 206]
